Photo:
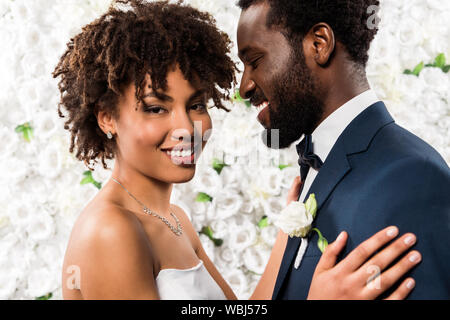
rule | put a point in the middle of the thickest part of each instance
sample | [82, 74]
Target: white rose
[226, 205]
[238, 281]
[435, 79]
[288, 175]
[437, 4]
[12, 113]
[269, 235]
[227, 259]
[264, 184]
[50, 162]
[20, 11]
[247, 206]
[17, 170]
[221, 228]
[46, 124]
[31, 64]
[273, 207]
[418, 12]
[409, 33]
[242, 236]
[436, 109]
[50, 254]
[237, 128]
[41, 281]
[229, 256]
[4, 8]
[8, 283]
[232, 177]
[10, 141]
[256, 258]
[410, 88]
[40, 226]
[294, 220]
[206, 180]
[383, 47]
[411, 58]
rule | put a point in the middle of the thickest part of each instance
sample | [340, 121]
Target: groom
[305, 65]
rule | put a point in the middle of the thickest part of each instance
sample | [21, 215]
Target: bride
[134, 87]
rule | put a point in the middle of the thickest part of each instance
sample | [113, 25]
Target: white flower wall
[41, 193]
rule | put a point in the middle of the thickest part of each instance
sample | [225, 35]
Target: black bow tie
[307, 158]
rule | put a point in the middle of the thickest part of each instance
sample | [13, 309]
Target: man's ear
[321, 43]
[106, 122]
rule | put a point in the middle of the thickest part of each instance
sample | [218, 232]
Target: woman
[135, 84]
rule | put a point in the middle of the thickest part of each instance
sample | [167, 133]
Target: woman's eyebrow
[165, 97]
[159, 95]
[197, 94]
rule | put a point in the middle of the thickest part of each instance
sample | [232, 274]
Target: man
[305, 67]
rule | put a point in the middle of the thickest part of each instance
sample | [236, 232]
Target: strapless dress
[188, 284]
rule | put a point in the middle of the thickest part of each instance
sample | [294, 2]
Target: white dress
[188, 284]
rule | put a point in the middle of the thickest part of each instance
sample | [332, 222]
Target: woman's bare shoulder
[103, 219]
[100, 226]
[109, 245]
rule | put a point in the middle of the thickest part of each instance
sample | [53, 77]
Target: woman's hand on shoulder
[116, 260]
[364, 275]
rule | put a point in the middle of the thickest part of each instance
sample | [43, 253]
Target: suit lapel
[329, 176]
[355, 138]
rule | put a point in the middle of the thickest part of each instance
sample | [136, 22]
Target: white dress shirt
[327, 133]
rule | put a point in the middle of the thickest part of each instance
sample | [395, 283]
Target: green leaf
[203, 197]
[322, 243]
[98, 185]
[418, 69]
[89, 179]
[26, 130]
[218, 165]
[430, 65]
[440, 61]
[407, 71]
[86, 181]
[237, 98]
[208, 232]
[311, 205]
[264, 222]
[446, 68]
[46, 297]
[283, 166]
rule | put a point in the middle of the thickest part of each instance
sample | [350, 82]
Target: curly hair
[347, 18]
[132, 39]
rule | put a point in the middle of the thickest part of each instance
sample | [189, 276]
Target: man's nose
[247, 87]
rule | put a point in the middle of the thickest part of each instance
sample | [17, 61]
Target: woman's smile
[184, 154]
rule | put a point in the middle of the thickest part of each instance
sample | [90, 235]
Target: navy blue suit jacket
[377, 175]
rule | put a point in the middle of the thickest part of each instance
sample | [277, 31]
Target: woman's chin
[183, 176]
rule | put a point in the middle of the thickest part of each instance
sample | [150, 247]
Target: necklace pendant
[178, 231]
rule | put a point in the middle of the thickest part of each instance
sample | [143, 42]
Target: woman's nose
[183, 127]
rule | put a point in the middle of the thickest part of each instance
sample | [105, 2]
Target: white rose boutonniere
[296, 220]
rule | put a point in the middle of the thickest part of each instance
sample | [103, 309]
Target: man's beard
[296, 106]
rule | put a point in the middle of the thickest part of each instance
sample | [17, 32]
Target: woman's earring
[109, 135]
